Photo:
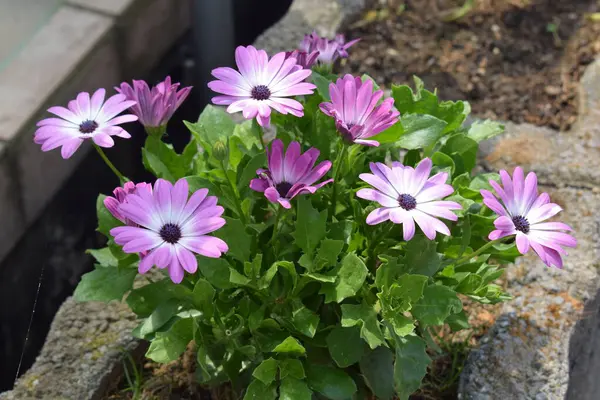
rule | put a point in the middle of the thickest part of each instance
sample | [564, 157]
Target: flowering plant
[292, 274]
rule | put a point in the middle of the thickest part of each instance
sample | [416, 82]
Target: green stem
[276, 224]
[238, 203]
[478, 251]
[337, 166]
[259, 132]
[371, 261]
[122, 178]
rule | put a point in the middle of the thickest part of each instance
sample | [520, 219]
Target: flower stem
[122, 178]
[238, 203]
[372, 260]
[337, 166]
[276, 224]
[259, 133]
[479, 251]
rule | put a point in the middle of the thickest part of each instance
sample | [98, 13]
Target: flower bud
[220, 150]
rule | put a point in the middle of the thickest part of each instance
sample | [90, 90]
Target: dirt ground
[517, 60]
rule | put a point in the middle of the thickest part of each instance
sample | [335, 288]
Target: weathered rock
[543, 346]
[526, 354]
[326, 17]
[81, 358]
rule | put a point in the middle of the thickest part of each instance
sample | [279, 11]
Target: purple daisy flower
[171, 227]
[307, 60]
[329, 49]
[154, 107]
[523, 212]
[291, 174]
[355, 110]
[409, 195]
[85, 118]
[120, 194]
[261, 85]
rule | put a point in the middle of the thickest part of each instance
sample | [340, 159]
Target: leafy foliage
[306, 298]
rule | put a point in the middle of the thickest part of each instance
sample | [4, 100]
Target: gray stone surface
[84, 45]
[81, 358]
[326, 17]
[544, 345]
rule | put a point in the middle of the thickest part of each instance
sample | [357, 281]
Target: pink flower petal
[378, 216]
[522, 243]
[208, 246]
[374, 195]
[186, 259]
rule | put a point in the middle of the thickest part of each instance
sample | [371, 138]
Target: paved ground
[19, 20]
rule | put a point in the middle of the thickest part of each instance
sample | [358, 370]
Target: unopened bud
[220, 150]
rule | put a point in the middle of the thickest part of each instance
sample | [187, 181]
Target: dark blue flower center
[407, 202]
[88, 126]
[283, 188]
[521, 224]
[170, 233]
[260, 92]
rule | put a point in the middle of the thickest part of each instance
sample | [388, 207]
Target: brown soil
[172, 381]
[517, 60]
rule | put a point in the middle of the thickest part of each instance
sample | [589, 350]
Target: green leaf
[320, 277]
[216, 271]
[104, 257]
[483, 130]
[266, 372]
[161, 315]
[246, 134]
[238, 279]
[105, 219]
[249, 171]
[259, 391]
[310, 225]
[377, 368]
[105, 284]
[463, 151]
[425, 102]
[458, 321]
[437, 304]
[168, 346]
[420, 131]
[350, 279]
[410, 366]
[213, 124]
[402, 325]
[163, 161]
[235, 235]
[345, 346]
[291, 367]
[421, 256]
[390, 135]
[442, 160]
[332, 383]
[408, 290]
[365, 317]
[144, 300]
[328, 253]
[322, 85]
[304, 320]
[290, 345]
[203, 297]
[294, 389]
